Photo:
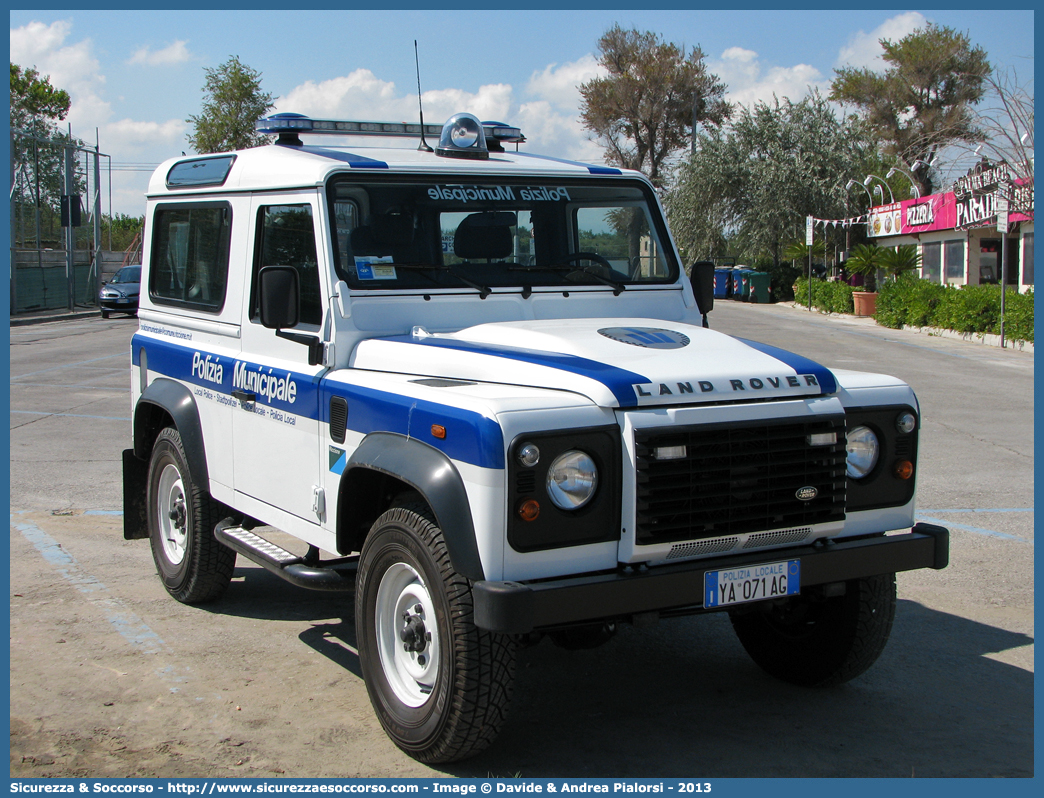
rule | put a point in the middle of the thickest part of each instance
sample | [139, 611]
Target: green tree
[923, 100]
[642, 111]
[35, 104]
[753, 183]
[37, 150]
[233, 102]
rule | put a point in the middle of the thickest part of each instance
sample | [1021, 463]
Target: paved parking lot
[110, 677]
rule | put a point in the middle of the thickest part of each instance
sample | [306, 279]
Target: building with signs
[957, 232]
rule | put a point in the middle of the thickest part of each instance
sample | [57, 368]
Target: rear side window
[190, 255]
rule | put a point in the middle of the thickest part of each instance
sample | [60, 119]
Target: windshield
[128, 274]
[493, 233]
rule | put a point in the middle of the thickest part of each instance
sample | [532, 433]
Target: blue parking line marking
[132, 628]
[68, 366]
[71, 415]
[978, 530]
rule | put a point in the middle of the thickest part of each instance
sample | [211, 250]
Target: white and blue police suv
[478, 387]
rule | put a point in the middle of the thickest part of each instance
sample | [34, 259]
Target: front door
[276, 422]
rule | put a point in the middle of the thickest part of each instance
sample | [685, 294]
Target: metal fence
[55, 200]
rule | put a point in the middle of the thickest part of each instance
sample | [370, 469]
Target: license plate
[122, 301]
[751, 583]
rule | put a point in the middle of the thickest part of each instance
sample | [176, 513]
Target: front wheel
[440, 686]
[194, 566]
[820, 641]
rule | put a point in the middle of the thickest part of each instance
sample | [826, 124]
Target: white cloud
[749, 81]
[133, 134]
[548, 116]
[362, 95]
[560, 85]
[550, 132]
[176, 53]
[864, 49]
[70, 67]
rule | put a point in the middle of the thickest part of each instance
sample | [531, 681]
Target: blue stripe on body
[350, 158]
[802, 365]
[595, 170]
[619, 381]
[470, 437]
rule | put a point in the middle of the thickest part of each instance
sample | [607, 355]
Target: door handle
[244, 396]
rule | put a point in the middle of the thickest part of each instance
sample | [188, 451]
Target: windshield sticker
[370, 268]
[498, 193]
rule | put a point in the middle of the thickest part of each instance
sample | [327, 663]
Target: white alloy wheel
[407, 634]
[172, 513]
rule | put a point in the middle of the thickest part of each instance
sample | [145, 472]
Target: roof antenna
[424, 146]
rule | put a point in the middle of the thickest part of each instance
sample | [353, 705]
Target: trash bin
[760, 282]
[721, 283]
[741, 284]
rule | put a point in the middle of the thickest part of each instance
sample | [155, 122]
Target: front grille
[737, 479]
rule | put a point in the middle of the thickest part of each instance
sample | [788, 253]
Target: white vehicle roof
[281, 166]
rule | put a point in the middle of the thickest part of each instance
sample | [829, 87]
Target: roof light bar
[501, 131]
[298, 123]
[463, 136]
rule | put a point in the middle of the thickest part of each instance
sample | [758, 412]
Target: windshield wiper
[568, 267]
[484, 291]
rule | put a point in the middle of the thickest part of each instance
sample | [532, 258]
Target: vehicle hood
[124, 289]
[614, 362]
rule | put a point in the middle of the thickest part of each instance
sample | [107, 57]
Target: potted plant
[865, 260]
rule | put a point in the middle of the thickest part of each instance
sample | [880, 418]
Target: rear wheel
[440, 686]
[819, 641]
[193, 565]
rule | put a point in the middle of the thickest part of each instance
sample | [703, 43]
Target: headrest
[484, 235]
[383, 235]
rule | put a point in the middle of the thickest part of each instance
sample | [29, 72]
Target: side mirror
[702, 279]
[279, 304]
[278, 297]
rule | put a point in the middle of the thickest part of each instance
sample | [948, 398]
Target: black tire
[192, 564]
[446, 697]
[105, 314]
[815, 641]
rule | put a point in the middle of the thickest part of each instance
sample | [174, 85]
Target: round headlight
[572, 480]
[906, 422]
[863, 450]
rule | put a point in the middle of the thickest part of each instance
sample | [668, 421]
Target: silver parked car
[120, 295]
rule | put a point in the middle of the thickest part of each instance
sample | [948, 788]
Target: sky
[137, 76]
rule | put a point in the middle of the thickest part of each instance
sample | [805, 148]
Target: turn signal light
[529, 510]
[903, 469]
[438, 431]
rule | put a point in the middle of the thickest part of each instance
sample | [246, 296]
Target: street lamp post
[871, 178]
[913, 183]
[851, 183]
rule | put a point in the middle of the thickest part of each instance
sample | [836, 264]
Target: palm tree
[902, 259]
[865, 260]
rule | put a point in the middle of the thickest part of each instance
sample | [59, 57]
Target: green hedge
[919, 303]
[829, 297]
[968, 309]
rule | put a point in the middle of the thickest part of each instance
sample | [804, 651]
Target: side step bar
[333, 575]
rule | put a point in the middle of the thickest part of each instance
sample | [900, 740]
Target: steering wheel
[592, 256]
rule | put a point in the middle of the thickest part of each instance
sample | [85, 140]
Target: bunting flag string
[845, 223]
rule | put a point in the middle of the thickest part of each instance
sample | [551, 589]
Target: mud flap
[135, 477]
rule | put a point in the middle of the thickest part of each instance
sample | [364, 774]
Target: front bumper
[114, 303]
[518, 608]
